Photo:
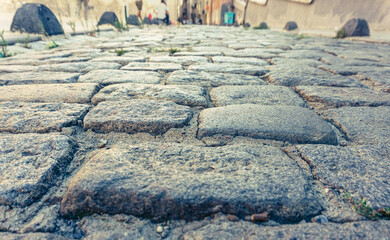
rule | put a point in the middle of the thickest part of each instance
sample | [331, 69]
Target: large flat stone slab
[263, 95]
[177, 181]
[333, 97]
[16, 68]
[81, 67]
[186, 60]
[37, 78]
[120, 76]
[236, 230]
[284, 123]
[32, 236]
[138, 115]
[205, 54]
[362, 125]
[230, 68]
[149, 66]
[210, 79]
[18, 117]
[63, 93]
[180, 94]
[361, 170]
[30, 165]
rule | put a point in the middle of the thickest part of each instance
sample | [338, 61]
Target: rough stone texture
[186, 60]
[361, 170]
[263, 95]
[284, 123]
[333, 97]
[210, 79]
[298, 75]
[133, 116]
[16, 68]
[168, 67]
[133, 20]
[30, 165]
[37, 78]
[362, 125]
[230, 68]
[204, 54]
[119, 59]
[356, 27]
[17, 117]
[170, 181]
[63, 93]
[238, 230]
[233, 60]
[82, 67]
[32, 236]
[36, 18]
[184, 95]
[119, 226]
[118, 76]
[108, 18]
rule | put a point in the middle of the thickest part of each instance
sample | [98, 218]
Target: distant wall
[320, 14]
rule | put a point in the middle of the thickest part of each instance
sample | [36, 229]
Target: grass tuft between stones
[363, 208]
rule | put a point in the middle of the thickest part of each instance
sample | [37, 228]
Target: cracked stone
[362, 125]
[17, 117]
[30, 165]
[361, 170]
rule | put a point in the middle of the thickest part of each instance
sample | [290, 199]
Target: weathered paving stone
[64, 93]
[37, 78]
[333, 97]
[263, 95]
[290, 75]
[32, 236]
[17, 117]
[120, 76]
[82, 67]
[233, 60]
[123, 60]
[30, 165]
[16, 68]
[361, 170]
[284, 123]
[186, 60]
[230, 68]
[362, 125]
[250, 231]
[207, 54]
[138, 115]
[148, 66]
[180, 94]
[211, 79]
[177, 181]
[251, 52]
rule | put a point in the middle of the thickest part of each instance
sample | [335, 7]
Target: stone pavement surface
[197, 132]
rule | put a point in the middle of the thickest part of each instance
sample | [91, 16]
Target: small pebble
[232, 218]
[247, 218]
[160, 229]
[164, 234]
[320, 219]
[260, 217]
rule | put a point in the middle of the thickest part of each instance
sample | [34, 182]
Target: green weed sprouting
[4, 46]
[52, 44]
[341, 33]
[120, 52]
[362, 207]
[120, 26]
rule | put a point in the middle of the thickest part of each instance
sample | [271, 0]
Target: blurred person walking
[138, 3]
[86, 8]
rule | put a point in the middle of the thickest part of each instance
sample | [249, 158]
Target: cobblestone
[190, 127]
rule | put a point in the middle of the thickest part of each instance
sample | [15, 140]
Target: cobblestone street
[191, 132]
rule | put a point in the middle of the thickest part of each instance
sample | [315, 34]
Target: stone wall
[320, 14]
